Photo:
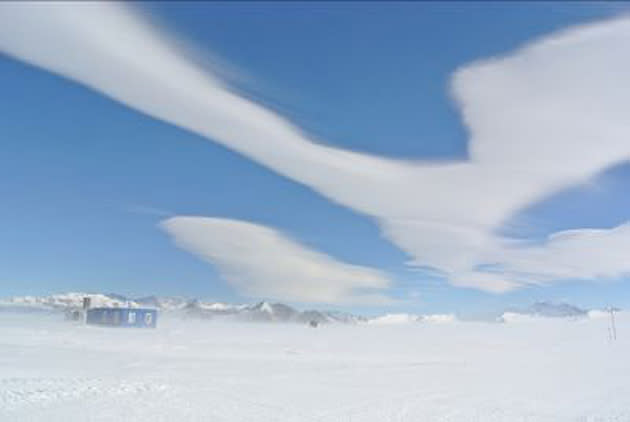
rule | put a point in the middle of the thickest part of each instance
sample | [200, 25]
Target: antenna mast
[613, 326]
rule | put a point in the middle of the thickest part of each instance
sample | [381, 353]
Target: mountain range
[268, 312]
[184, 307]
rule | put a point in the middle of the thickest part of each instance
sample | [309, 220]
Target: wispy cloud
[573, 254]
[262, 262]
[550, 115]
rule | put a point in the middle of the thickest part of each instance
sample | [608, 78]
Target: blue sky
[87, 180]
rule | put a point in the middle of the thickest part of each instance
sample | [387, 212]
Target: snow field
[187, 370]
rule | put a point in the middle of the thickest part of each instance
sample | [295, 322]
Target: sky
[416, 157]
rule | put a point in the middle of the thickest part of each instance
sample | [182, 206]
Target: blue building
[122, 317]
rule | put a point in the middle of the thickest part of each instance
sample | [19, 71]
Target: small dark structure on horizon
[122, 317]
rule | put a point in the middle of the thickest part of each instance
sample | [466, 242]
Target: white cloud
[574, 254]
[548, 116]
[262, 262]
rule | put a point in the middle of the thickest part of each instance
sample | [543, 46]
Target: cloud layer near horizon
[548, 116]
[261, 262]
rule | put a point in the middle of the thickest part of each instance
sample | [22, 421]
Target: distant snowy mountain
[163, 303]
[265, 312]
[544, 310]
[67, 300]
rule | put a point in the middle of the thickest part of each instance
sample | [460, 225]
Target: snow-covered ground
[536, 369]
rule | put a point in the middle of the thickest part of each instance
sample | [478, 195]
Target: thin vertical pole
[612, 323]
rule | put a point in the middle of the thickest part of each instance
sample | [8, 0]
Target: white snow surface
[391, 319]
[193, 370]
[396, 319]
[439, 318]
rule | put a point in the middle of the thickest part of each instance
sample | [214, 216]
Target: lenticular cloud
[262, 262]
[550, 115]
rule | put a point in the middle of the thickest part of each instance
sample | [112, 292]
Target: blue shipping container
[122, 317]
